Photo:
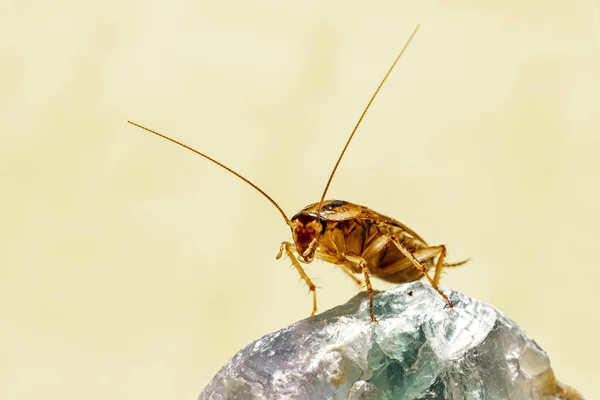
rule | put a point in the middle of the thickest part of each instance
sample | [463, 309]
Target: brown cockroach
[357, 239]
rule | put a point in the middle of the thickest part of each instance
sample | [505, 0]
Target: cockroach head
[306, 232]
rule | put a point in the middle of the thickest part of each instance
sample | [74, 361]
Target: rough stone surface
[420, 349]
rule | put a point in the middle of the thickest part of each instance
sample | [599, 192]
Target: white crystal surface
[420, 349]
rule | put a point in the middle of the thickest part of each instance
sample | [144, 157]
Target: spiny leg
[362, 264]
[439, 265]
[420, 267]
[442, 264]
[287, 247]
[339, 262]
[423, 255]
[349, 272]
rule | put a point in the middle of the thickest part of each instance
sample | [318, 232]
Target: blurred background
[131, 268]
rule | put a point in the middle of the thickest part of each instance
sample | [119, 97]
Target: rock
[420, 349]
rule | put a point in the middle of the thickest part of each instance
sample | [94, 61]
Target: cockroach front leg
[420, 266]
[287, 247]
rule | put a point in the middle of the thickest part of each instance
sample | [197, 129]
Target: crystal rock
[419, 349]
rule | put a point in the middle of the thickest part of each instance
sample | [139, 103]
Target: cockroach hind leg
[441, 264]
[420, 266]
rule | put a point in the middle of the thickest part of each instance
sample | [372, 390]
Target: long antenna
[287, 220]
[363, 115]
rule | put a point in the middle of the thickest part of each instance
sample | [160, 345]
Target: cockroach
[353, 237]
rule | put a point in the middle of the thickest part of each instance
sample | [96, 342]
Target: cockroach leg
[444, 264]
[287, 247]
[349, 272]
[323, 255]
[439, 265]
[420, 267]
[362, 264]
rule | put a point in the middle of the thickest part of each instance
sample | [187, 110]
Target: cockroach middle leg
[362, 264]
[287, 247]
[349, 272]
[323, 255]
[420, 266]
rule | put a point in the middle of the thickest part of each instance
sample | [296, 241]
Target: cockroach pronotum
[357, 239]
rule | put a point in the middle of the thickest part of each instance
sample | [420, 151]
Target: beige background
[132, 269]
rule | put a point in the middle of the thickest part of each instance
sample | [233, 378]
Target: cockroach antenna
[362, 116]
[287, 220]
